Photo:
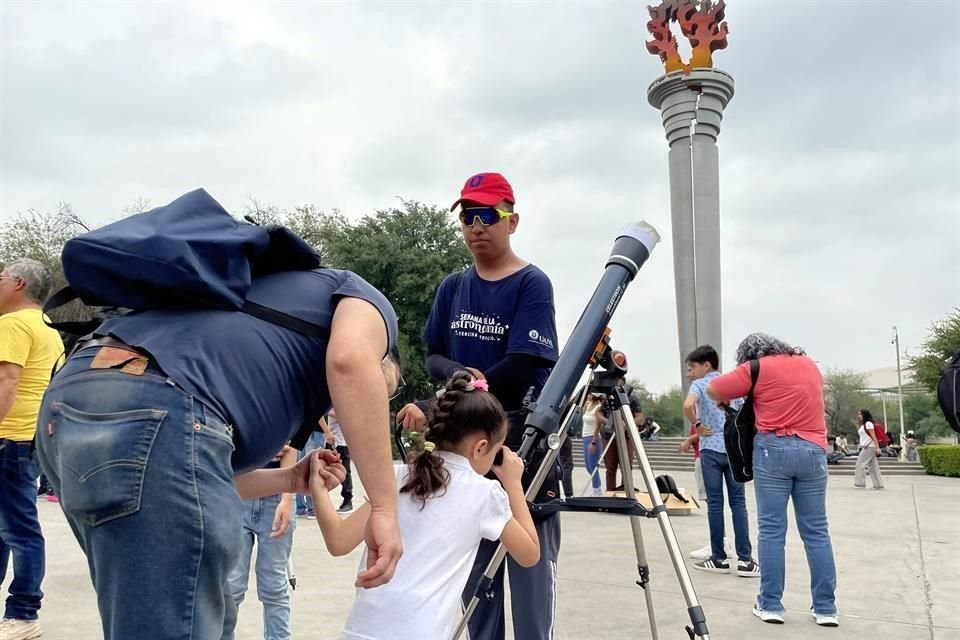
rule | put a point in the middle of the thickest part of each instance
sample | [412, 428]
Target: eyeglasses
[486, 215]
[401, 387]
[10, 278]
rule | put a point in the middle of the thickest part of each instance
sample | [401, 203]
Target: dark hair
[867, 416]
[705, 353]
[459, 411]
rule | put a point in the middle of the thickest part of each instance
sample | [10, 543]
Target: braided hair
[460, 410]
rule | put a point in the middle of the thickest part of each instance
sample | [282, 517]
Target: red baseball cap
[487, 189]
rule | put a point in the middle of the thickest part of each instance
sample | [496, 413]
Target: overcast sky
[839, 155]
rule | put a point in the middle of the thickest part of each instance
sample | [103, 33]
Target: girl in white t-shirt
[446, 507]
[867, 461]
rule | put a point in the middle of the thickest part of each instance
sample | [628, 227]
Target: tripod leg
[694, 610]
[642, 567]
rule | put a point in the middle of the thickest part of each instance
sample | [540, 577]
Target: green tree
[843, 397]
[405, 252]
[667, 410]
[41, 236]
[941, 345]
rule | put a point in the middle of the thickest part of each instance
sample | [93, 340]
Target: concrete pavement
[898, 558]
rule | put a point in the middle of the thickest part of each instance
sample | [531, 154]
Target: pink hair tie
[481, 385]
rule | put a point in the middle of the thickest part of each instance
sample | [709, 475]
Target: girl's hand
[512, 468]
[326, 470]
[412, 418]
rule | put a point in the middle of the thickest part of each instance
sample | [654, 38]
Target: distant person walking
[868, 459]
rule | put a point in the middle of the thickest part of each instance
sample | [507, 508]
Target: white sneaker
[596, 493]
[767, 616]
[13, 629]
[707, 551]
[824, 619]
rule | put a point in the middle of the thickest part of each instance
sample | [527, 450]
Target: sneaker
[707, 551]
[702, 553]
[346, 507]
[767, 616]
[713, 566]
[596, 493]
[748, 569]
[825, 619]
[14, 629]
[52, 497]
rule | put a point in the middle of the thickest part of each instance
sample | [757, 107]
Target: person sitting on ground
[842, 443]
[651, 430]
[835, 455]
[446, 507]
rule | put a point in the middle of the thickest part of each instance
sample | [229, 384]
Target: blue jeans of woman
[592, 460]
[784, 468]
[145, 481]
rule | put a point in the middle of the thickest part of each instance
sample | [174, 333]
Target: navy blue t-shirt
[261, 378]
[478, 322]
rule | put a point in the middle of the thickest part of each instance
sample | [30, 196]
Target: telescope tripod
[606, 368]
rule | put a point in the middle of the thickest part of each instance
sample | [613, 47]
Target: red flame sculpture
[701, 22]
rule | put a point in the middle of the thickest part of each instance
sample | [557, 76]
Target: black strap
[754, 374]
[285, 320]
[279, 318]
[74, 328]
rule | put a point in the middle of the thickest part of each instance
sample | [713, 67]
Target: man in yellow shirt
[28, 351]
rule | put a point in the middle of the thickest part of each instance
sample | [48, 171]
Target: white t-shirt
[865, 439]
[589, 422]
[440, 542]
[337, 432]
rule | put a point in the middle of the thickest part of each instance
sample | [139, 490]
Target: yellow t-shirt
[26, 341]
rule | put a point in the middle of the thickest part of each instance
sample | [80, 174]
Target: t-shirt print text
[542, 340]
[480, 327]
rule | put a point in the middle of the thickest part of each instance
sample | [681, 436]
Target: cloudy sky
[839, 156]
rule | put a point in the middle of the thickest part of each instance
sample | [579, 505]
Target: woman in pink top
[789, 461]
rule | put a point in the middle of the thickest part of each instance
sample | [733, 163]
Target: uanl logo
[539, 339]
[482, 327]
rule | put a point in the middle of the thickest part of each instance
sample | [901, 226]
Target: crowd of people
[171, 471]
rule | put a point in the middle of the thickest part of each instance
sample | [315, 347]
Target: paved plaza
[897, 551]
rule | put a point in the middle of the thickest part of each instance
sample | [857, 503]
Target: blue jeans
[716, 471]
[591, 460]
[271, 569]
[317, 440]
[20, 530]
[785, 467]
[144, 478]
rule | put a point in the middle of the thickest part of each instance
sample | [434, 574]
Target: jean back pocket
[101, 460]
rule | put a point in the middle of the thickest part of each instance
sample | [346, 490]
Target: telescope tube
[631, 250]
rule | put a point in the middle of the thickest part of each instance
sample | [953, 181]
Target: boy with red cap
[496, 319]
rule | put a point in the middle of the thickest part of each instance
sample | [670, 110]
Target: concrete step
[674, 461]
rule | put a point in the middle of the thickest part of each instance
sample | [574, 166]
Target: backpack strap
[754, 374]
[267, 314]
[74, 328]
[285, 320]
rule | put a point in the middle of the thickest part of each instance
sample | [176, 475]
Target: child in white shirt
[446, 508]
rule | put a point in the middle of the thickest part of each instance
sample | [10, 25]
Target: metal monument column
[691, 98]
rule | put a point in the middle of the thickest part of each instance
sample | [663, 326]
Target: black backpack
[948, 393]
[738, 431]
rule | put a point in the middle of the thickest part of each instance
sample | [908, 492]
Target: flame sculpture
[701, 21]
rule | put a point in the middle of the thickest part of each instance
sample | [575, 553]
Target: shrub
[941, 459]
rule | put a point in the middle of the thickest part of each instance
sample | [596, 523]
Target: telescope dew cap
[488, 189]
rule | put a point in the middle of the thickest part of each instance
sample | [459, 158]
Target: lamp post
[903, 428]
